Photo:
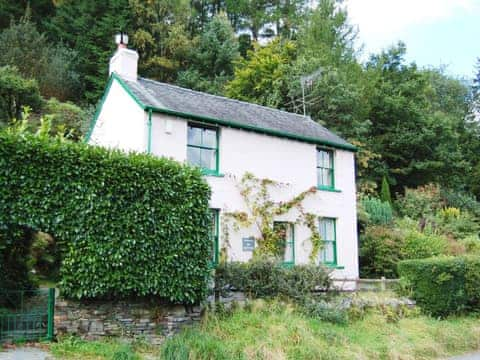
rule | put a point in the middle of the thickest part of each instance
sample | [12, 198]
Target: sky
[436, 32]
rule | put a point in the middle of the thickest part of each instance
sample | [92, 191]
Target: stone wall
[152, 321]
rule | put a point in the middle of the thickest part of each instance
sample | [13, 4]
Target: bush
[267, 278]
[418, 245]
[443, 286]
[128, 225]
[421, 202]
[380, 251]
[461, 200]
[456, 223]
[378, 211]
[326, 311]
[471, 244]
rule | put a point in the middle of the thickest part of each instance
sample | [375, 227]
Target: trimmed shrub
[266, 278]
[442, 286]
[128, 225]
[378, 211]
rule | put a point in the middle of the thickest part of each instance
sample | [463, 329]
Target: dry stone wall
[148, 320]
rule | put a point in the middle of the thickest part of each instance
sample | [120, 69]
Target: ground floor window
[286, 233]
[214, 231]
[327, 229]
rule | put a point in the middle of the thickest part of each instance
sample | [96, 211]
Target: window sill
[206, 173]
[321, 188]
[334, 267]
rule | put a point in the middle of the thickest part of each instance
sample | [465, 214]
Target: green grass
[111, 349]
[276, 331]
[273, 331]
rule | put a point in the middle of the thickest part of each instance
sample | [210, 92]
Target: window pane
[193, 156]
[329, 230]
[209, 138]
[194, 136]
[327, 254]
[208, 159]
[326, 177]
[327, 160]
[214, 223]
[288, 252]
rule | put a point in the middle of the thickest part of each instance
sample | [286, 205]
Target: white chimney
[125, 61]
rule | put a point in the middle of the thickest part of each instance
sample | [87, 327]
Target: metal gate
[26, 314]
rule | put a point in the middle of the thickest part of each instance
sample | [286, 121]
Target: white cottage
[227, 138]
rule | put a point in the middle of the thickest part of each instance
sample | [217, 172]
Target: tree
[160, 34]
[88, 27]
[385, 195]
[416, 122]
[213, 58]
[15, 93]
[262, 77]
[21, 45]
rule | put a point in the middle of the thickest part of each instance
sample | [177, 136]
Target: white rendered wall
[121, 123]
[293, 164]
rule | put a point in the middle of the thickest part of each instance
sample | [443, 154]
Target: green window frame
[327, 228]
[202, 147]
[214, 235]
[286, 230]
[325, 169]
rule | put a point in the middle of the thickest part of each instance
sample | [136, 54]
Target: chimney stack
[125, 61]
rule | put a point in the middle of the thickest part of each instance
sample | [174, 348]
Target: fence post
[51, 313]
[383, 284]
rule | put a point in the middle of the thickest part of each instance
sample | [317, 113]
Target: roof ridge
[303, 117]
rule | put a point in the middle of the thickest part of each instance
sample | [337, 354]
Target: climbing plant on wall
[129, 225]
[262, 211]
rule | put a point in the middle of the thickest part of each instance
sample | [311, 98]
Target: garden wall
[152, 321]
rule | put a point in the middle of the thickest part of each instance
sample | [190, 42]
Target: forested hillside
[413, 126]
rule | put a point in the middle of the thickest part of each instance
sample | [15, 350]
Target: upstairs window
[327, 230]
[325, 175]
[202, 148]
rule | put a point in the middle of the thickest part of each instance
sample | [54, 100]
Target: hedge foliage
[265, 277]
[444, 285]
[129, 225]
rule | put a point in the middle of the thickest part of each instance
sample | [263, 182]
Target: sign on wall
[248, 244]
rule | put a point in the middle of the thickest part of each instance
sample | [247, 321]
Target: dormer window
[202, 148]
[325, 169]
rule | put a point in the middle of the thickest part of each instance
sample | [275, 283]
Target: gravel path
[26, 353]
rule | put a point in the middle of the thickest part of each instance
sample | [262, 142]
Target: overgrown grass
[276, 331]
[111, 349]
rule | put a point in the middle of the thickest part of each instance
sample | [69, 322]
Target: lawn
[273, 330]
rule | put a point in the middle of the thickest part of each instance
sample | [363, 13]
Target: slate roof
[165, 96]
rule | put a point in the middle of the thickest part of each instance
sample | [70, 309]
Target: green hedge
[443, 286]
[129, 225]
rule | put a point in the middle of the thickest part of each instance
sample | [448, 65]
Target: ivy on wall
[128, 225]
[262, 211]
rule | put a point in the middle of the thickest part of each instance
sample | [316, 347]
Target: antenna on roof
[307, 82]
